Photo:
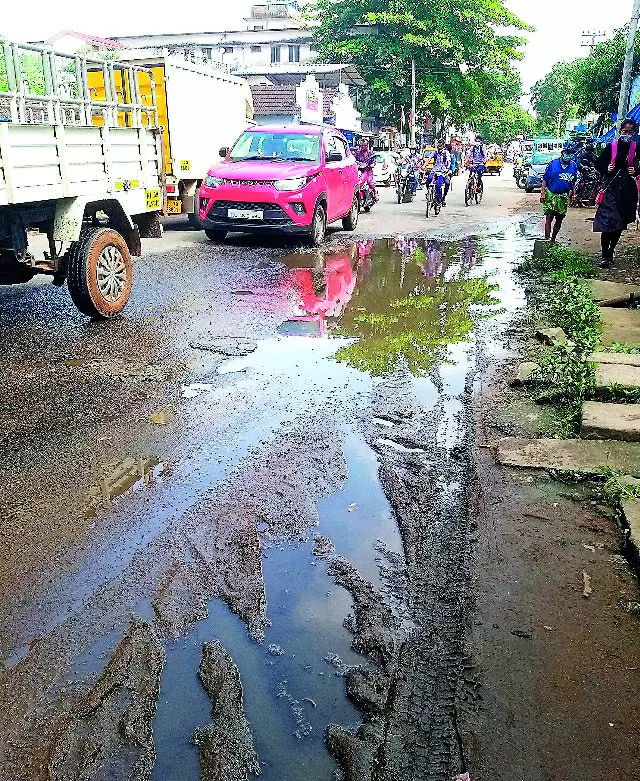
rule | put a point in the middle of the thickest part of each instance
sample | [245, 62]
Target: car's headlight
[213, 181]
[289, 185]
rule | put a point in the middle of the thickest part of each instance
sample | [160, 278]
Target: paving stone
[630, 482]
[620, 326]
[631, 512]
[525, 371]
[578, 455]
[626, 359]
[552, 336]
[605, 291]
[608, 374]
[611, 421]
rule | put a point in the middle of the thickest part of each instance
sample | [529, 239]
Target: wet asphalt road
[178, 462]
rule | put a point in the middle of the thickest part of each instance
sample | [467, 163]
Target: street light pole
[623, 105]
[413, 99]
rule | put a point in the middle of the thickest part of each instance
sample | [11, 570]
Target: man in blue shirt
[558, 184]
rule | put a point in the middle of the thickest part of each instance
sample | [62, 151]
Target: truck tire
[100, 273]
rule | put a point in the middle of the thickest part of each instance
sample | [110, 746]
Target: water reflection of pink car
[315, 305]
[294, 179]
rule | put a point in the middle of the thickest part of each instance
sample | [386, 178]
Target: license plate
[245, 214]
[174, 206]
[153, 199]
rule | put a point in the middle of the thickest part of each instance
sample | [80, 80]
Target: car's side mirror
[334, 157]
[223, 151]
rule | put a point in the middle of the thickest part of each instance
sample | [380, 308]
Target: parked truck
[82, 169]
[201, 108]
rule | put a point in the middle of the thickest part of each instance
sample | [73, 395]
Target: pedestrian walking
[558, 185]
[618, 196]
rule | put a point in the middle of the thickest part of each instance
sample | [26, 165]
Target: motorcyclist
[366, 160]
[477, 159]
[441, 171]
[415, 161]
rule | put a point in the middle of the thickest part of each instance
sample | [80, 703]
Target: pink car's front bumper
[250, 207]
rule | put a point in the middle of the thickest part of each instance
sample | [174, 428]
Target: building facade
[275, 35]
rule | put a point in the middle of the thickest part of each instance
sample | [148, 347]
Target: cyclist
[441, 172]
[477, 159]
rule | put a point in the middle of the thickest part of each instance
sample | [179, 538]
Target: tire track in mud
[410, 702]
[214, 550]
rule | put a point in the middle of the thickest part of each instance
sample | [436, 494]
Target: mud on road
[295, 532]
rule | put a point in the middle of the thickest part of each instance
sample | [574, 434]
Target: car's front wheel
[350, 222]
[318, 226]
[214, 235]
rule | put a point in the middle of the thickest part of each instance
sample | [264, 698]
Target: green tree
[502, 123]
[553, 99]
[464, 59]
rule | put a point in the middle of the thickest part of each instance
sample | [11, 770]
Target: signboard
[309, 99]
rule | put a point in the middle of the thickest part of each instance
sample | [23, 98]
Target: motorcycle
[520, 175]
[366, 190]
[405, 182]
[587, 186]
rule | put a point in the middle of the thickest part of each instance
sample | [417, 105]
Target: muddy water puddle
[357, 319]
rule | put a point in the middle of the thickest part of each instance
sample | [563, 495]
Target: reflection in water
[405, 299]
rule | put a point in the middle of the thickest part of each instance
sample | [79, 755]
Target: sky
[559, 23]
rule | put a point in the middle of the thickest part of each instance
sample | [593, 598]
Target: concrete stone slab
[626, 359]
[577, 455]
[609, 374]
[631, 513]
[605, 291]
[610, 421]
[551, 336]
[620, 326]
[524, 373]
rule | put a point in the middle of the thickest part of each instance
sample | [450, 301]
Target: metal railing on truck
[41, 86]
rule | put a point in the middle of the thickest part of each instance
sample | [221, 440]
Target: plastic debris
[353, 506]
[463, 777]
[587, 585]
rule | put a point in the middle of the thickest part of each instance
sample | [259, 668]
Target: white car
[385, 168]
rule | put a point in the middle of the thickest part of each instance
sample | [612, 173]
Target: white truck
[201, 109]
[85, 170]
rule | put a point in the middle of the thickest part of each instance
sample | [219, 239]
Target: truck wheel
[318, 226]
[100, 273]
[214, 235]
[350, 221]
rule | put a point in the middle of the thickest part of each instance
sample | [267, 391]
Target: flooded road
[273, 462]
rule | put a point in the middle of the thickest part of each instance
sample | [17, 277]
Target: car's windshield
[542, 158]
[279, 146]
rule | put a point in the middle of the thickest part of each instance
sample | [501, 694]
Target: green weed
[559, 259]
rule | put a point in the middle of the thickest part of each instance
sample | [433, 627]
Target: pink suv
[288, 178]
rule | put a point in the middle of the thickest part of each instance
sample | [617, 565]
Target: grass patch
[615, 489]
[559, 258]
[565, 376]
[619, 347]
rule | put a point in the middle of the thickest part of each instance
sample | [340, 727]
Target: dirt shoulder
[558, 670]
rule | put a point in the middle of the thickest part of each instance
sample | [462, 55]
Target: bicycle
[474, 188]
[433, 202]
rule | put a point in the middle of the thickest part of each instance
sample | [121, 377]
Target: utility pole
[623, 105]
[413, 99]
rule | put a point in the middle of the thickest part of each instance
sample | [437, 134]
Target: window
[275, 54]
[206, 52]
[256, 48]
[335, 144]
[228, 50]
[258, 27]
[294, 54]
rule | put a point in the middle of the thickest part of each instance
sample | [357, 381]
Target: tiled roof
[271, 100]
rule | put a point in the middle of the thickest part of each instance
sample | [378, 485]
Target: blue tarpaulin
[607, 138]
